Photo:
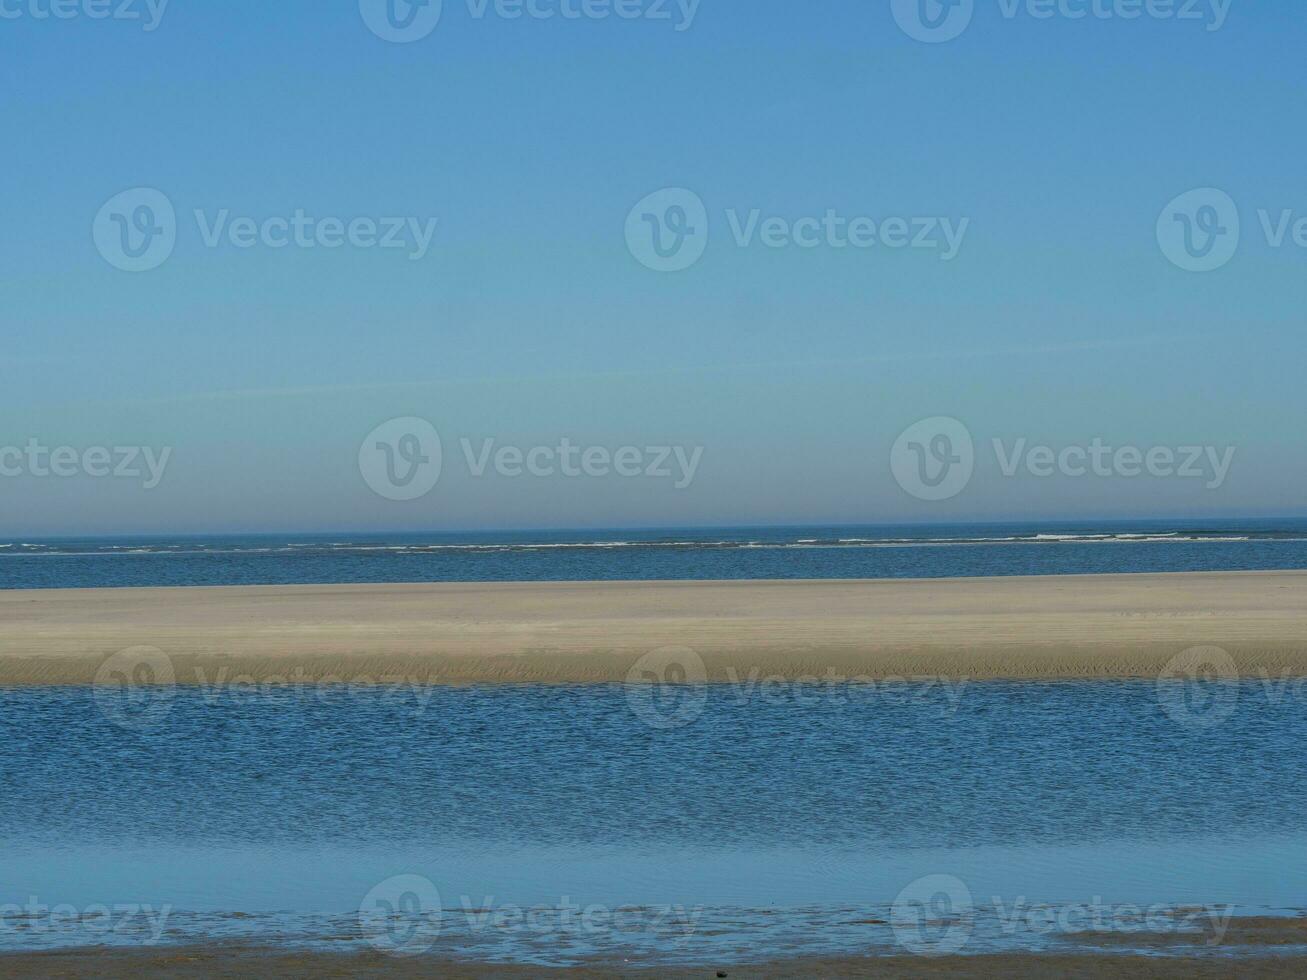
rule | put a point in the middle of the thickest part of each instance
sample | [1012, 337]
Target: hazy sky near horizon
[1055, 315]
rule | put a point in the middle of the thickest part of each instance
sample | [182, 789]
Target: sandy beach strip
[227, 962]
[1044, 627]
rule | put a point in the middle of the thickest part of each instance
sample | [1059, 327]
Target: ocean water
[567, 825]
[557, 826]
[731, 553]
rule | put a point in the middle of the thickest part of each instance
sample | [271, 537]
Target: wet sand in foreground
[1045, 627]
[207, 962]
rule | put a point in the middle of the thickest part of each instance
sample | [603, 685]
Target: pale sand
[1034, 627]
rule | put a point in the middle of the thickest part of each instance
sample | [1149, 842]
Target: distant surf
[236, 546]
[839, 551]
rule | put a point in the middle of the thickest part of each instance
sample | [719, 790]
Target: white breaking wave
[303, 549]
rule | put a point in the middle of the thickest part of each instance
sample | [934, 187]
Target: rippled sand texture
[1034, 627]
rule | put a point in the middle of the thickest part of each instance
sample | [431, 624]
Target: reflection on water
[556, 824]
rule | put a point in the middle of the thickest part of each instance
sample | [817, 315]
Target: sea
[859, 551]
[558, 826]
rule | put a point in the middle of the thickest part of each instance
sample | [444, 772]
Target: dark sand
[240, 963]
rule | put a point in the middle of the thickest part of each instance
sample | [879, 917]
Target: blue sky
[529, 319]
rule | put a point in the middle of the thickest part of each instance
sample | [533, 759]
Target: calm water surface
[556, 825]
